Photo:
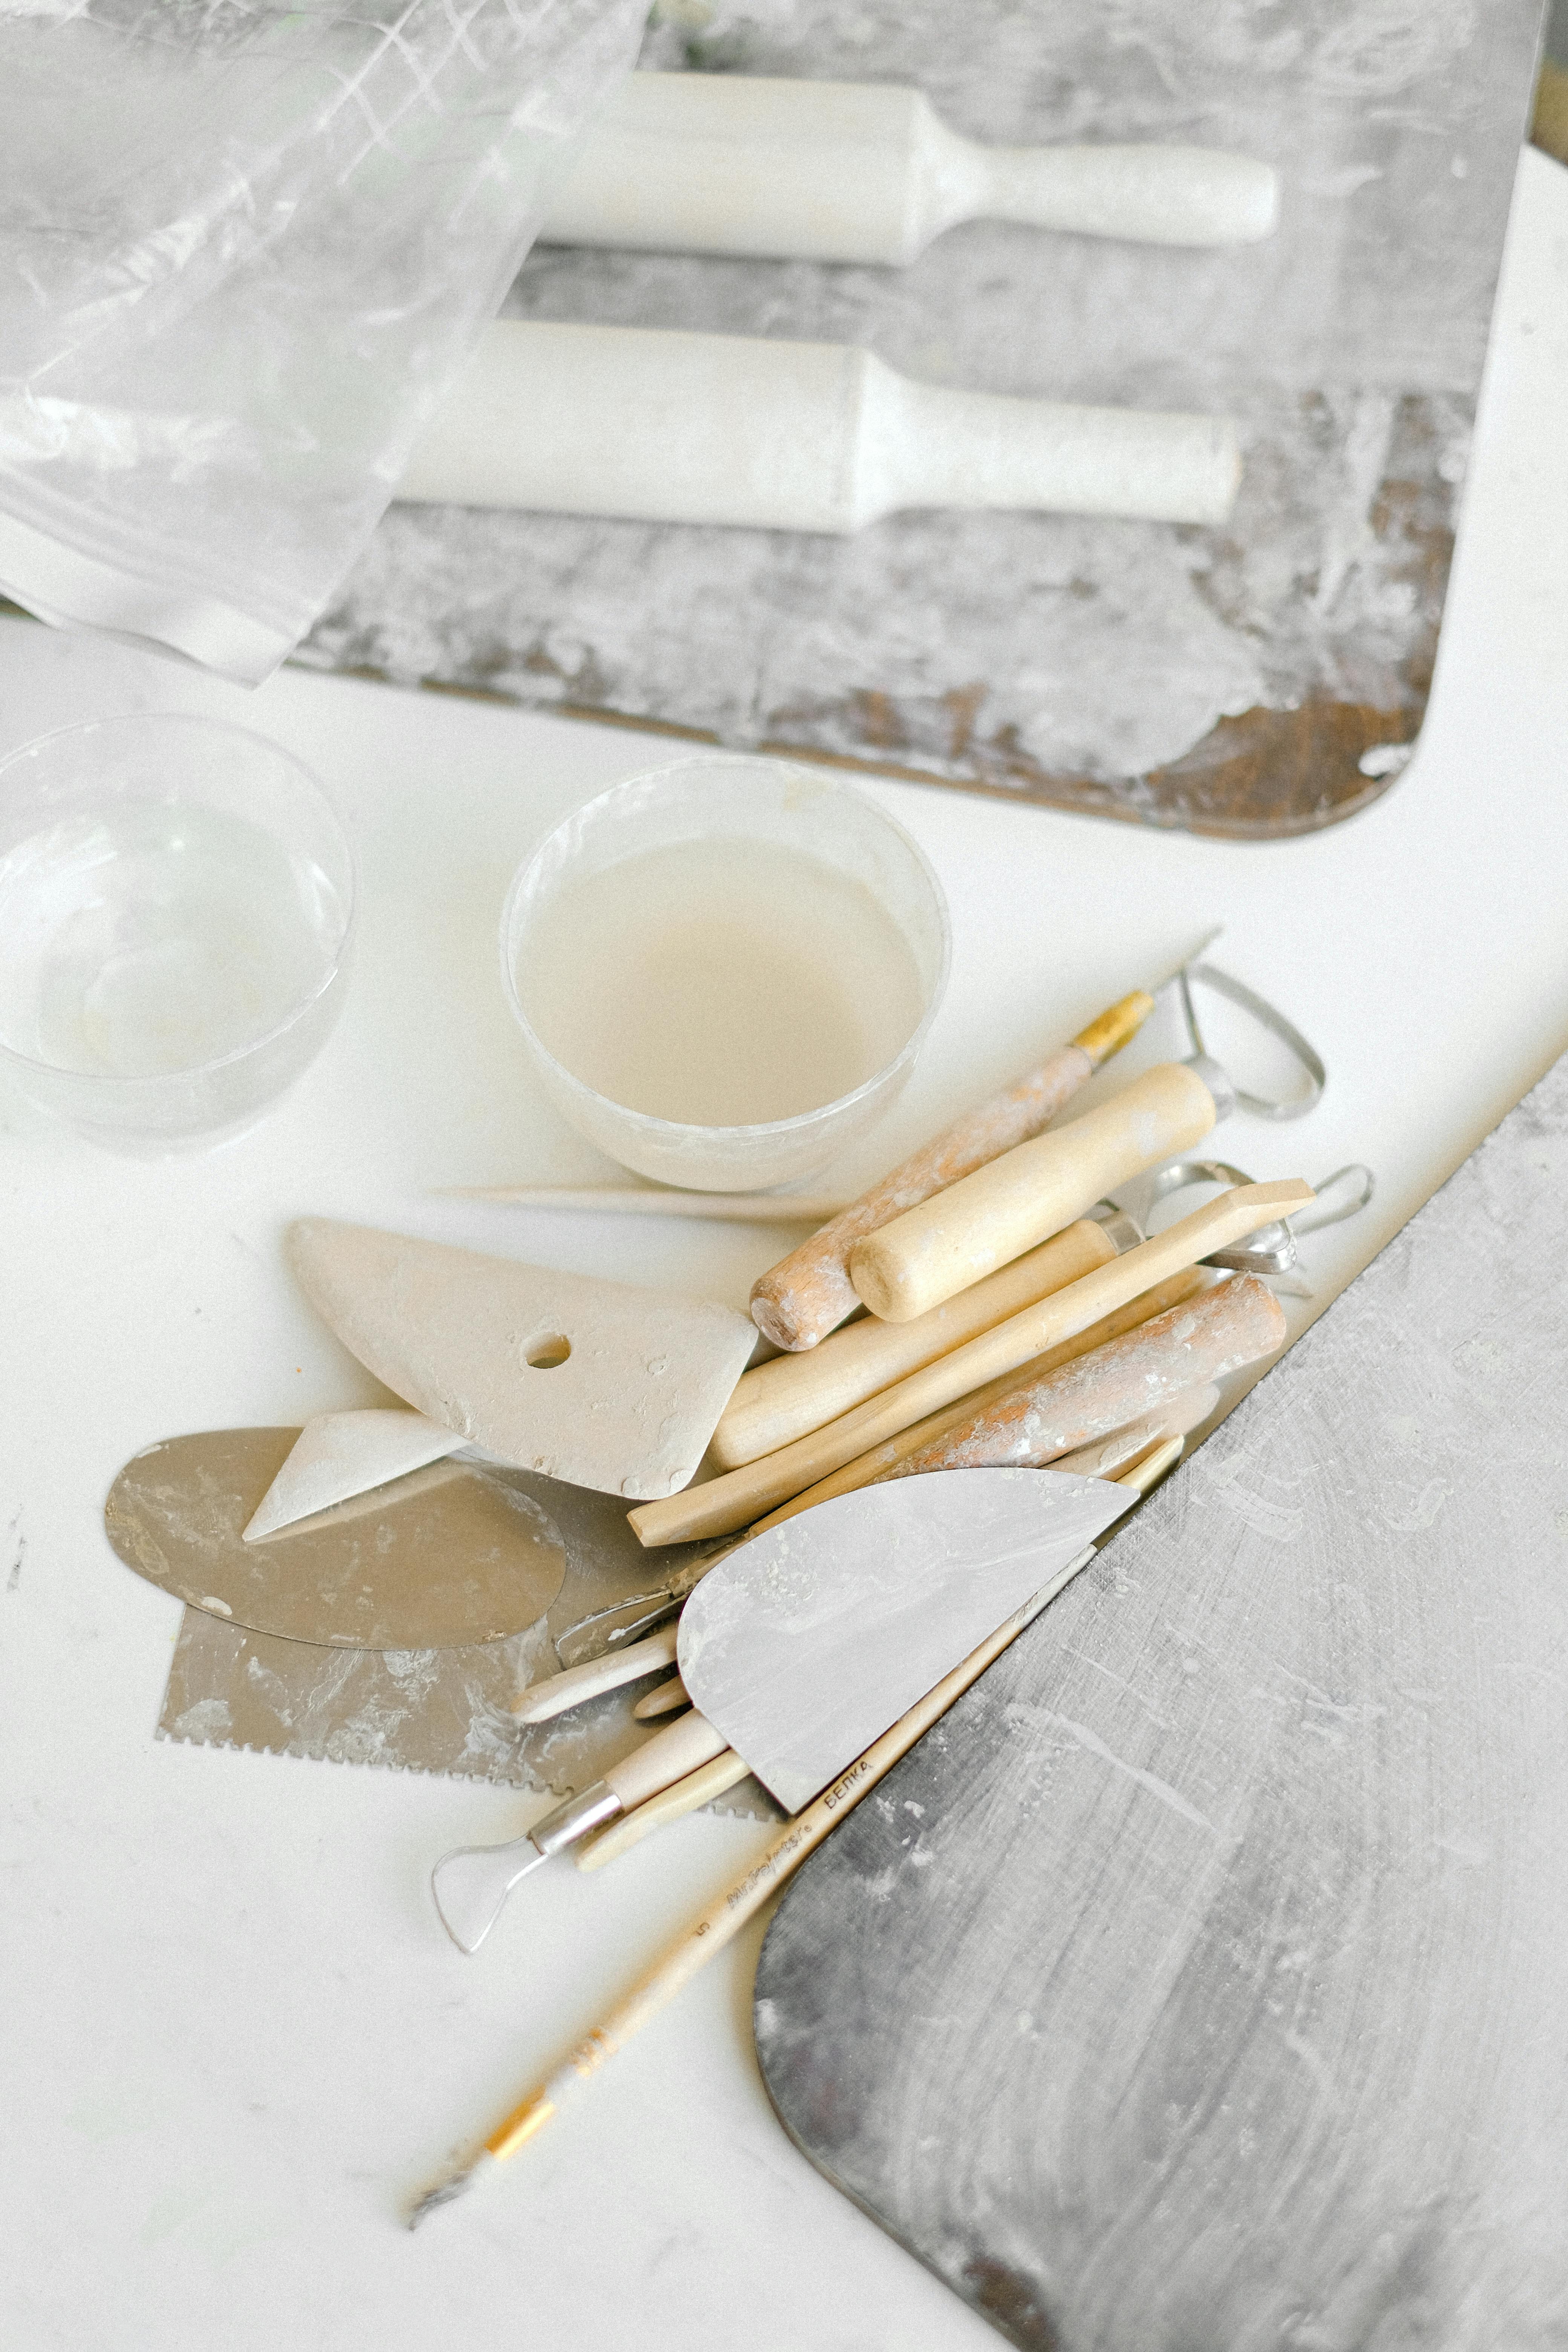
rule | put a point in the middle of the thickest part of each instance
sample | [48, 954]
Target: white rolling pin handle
[1153, 195]
[925, 445]
[668, 1756]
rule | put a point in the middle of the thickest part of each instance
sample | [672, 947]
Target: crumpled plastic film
[243, 248]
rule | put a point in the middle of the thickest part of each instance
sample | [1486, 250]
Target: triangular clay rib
[597, 1382]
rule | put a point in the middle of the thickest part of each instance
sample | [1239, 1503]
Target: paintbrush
[723, 1919]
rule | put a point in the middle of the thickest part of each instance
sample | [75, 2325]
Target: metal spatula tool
[802, 1646]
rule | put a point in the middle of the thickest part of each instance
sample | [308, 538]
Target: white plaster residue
[1149, 1780]
[208, 1719]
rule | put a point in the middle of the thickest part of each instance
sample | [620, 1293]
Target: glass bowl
[725, 969]
[176, 903]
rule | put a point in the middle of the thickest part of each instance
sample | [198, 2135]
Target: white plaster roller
[824, 170]
[671, 427]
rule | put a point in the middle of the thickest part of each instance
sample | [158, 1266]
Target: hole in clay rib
[545, 1354]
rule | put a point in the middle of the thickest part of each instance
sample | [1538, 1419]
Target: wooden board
[1261, 680]
[1203, 1980]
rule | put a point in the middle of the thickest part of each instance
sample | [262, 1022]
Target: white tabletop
[239, 2040]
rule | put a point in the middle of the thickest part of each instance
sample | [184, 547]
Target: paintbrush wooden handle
[741, 1496]
[797, 1302]
[911, 1264]
[671, 1804]
[1236, 1323]
[690, 1951]
[783, 1400]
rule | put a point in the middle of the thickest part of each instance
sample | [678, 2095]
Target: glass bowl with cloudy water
[725, 969]
[176, 903]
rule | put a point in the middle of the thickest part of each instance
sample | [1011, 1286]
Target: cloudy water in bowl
[719, 983]
[157, 938]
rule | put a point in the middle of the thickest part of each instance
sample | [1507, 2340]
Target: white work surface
[239, 2040]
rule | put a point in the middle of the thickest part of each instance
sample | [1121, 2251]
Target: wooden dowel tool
[541, 1700]
[741, 1496]
[664, 1700]
[916, 1260]
[786, 1398]
[800, 1300]
[682, 1959]
[868, 1467]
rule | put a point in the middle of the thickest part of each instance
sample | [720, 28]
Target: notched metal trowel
[596, 1382]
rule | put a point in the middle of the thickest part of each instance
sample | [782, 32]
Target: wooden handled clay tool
[782, 1399]
[740, 1497]
[763, 435]
[802, 1646]
[866, 172]
[724, 1918]
[797, 1302]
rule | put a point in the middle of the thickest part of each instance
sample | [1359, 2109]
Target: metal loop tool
[1267, 1017]
[1270, 1250]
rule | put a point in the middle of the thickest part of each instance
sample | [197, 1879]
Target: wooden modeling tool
[799, 1301]
[736, 1500]
[961, 1234]
[788, 1396]
[804, 1645]
[644, 1200]
[866, 172]
[764, 435]
[741, 1902]
[596, 1383]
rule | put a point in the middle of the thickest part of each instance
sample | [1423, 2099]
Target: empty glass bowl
[177, 901]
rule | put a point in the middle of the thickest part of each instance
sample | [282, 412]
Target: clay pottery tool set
[707, 1934]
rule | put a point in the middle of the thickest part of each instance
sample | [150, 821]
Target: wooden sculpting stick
[778, 1402]
[727, 1503]
[800, 1300]
[690, 1951]
[915, 1261]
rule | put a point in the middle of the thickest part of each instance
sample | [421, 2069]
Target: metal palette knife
[599, 1383]
[804, 1645]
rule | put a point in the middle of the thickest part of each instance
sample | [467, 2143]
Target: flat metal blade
[805, 1643]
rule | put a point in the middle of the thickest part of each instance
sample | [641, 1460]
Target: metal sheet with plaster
[1202, 1979]
[1232, 678]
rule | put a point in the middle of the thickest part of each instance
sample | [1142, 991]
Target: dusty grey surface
[1233, 679]
[1203, 1980]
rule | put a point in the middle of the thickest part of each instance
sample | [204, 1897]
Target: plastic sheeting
[242, 250]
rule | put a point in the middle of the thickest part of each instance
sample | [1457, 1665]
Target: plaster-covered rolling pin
[797, 1302]
[883, 1461]
[824, 170]
[1190, 1347]
[914, 1261]
[661, 427]
[781, 1400]
[741, 1496]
